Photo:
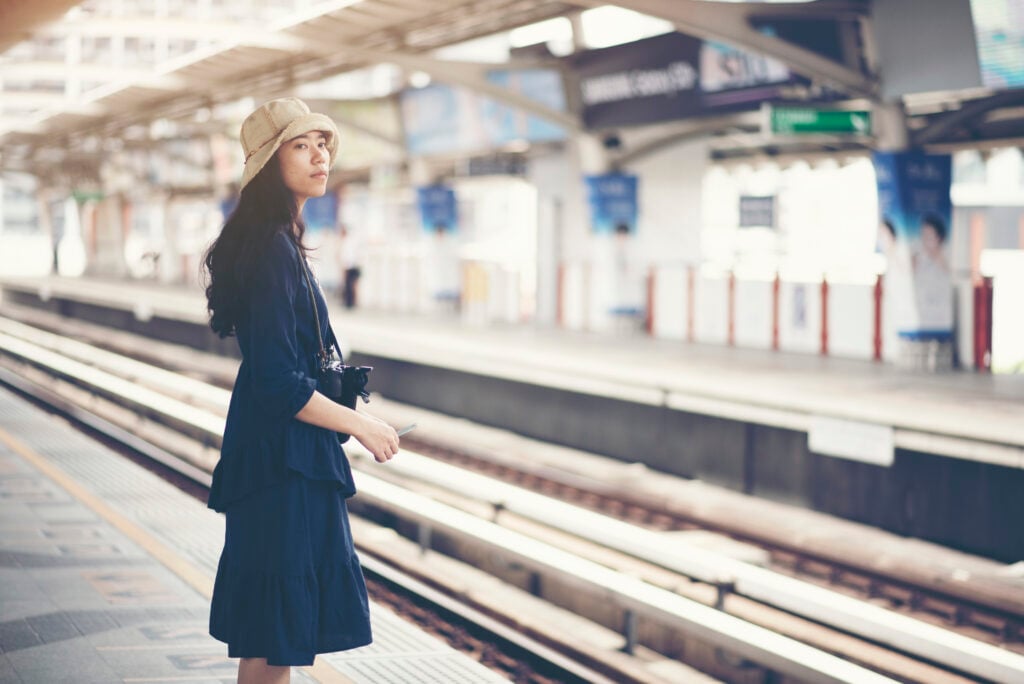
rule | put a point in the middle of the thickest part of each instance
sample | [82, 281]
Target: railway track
[986, 616]
[980, 617]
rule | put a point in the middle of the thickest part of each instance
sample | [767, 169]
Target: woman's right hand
[378, 437]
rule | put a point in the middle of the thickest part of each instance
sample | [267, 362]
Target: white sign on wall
[850, 439]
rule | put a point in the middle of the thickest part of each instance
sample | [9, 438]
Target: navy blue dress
[288, 584]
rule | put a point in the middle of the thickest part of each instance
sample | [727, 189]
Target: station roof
[54, 103]
[266, 52]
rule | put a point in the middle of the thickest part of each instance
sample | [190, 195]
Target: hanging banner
[613, 203]
[437, 209]
[914, 232]
[321, 213]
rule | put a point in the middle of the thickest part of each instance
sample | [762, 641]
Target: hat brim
[303, 124]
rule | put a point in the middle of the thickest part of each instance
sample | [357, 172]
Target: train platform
[107, 571]
[869, 442]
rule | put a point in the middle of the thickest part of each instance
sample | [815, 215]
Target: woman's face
[304, 162]
[930, 240]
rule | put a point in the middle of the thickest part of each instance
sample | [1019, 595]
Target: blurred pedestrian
[350, 267]
[288, 584]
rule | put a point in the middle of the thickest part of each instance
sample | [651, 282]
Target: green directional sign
[801, 120]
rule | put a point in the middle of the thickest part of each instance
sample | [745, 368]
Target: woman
[288, 584]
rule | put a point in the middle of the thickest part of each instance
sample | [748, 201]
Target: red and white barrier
[983, 324]
[845, 319]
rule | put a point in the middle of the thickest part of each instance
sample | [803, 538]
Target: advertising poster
[613, 203]
[729, 76]
[999, 27]
[442, 119]
[914, 234]
[437, 209]
[505, 124]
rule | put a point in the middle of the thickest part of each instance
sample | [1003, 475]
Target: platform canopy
[74, 74]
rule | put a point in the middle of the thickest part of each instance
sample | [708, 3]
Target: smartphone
[407, 429]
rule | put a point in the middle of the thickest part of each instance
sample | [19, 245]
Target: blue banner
[613, 203]
[321, 213]
[914, 232]
[437, 209]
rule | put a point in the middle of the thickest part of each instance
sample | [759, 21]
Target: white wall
[561, 217]
[670, 203]
[826, 219]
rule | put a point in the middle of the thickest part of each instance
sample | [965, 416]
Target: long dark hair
[265, 207]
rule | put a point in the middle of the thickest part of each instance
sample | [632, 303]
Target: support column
[589, 157]
[47, 226]
[169, 269]
[890, 124]
[107, 259]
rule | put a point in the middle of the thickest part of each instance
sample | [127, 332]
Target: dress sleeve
[280, 387]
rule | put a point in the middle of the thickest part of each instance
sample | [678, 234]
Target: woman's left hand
[378, 437]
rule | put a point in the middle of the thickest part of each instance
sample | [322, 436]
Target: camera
[344, 384]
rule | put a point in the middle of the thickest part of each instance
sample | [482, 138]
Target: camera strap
[323, 355]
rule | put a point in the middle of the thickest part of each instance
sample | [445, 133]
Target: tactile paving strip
[400, 654]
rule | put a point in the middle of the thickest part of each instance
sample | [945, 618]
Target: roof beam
[695, 129]
[353, 124]
[19, 99]
[20, 20]
[18, 123]
[731, 23]
[60, 71]
[145, 27]
[945, 124]
[469, 75]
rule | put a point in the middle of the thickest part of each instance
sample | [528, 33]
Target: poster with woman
[914, 231]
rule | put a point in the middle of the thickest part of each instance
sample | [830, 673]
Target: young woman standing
[288, 584]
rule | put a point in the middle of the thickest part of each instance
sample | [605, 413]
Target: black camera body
[344, 384]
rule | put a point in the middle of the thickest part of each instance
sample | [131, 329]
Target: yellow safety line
[183, 678]
[192, 575]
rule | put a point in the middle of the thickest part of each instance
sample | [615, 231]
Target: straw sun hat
[273, 123]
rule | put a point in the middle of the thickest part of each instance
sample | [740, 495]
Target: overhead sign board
[672, 76]
[643, 82]
[757, 211]
[809, 120]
